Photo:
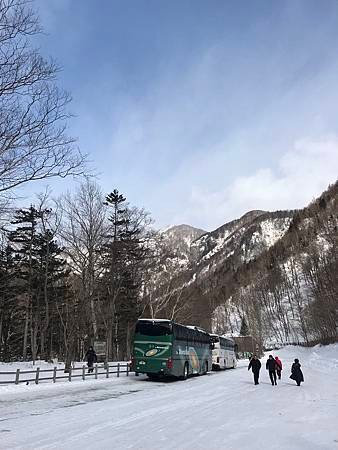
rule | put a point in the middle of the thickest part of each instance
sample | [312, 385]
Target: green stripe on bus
[153, 342]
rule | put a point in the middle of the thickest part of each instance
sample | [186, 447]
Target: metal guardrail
[20, 376]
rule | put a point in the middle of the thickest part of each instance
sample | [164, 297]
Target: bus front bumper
[153, 367]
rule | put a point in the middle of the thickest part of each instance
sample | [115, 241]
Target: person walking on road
[296, 372]
[271, 367]
[91, 359]
[255, 365]
[279, 367]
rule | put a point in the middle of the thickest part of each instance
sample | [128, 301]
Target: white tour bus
[223, 353]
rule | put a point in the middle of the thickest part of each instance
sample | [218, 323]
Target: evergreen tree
[24, 242]
[9, 324]
[40, 274]
[121, 282]
[244, 328]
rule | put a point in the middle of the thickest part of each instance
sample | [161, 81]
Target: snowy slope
[197, 254]
[179, 238]
[235, 243]
[183, 234]
[243, 238]
[246, 237]
[212, 243]
[223, 410]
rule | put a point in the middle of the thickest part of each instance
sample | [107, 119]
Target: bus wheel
[185, 371]
[152, 376]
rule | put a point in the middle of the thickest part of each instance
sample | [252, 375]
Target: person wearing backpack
[279, 367]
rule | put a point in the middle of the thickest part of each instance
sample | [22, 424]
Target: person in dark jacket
[279, 367]
[271, 367]
[255, 365]
[91, 359]
[296, 372]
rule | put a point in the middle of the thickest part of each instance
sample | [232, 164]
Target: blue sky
[200, 111]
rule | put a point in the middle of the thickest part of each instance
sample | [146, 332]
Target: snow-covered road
[222, 410]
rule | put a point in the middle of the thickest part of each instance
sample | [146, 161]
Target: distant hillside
[266, 267]
[180, 238]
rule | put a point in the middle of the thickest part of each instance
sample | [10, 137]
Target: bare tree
[34, 144]
[162, 291]
[82, 231]
[50, 223]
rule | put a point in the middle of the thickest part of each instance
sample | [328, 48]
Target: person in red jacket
[279, 367]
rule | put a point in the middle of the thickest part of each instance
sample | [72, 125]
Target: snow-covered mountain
[284, 278]
[243, 238]
[198, 257]
[246, 237]
[230, 245]
[275, 269]
[179, 239]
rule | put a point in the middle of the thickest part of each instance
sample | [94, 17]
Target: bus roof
[193, 327]
[154, 320]
[190, 327]
[217, 336]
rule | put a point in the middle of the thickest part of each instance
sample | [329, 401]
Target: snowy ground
[222, 410]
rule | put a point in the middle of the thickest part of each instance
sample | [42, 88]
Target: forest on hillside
[282, 293]
[288, 293]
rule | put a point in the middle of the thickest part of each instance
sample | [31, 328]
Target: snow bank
[322, 358]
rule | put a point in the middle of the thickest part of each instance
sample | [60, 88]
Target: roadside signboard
[100, 350]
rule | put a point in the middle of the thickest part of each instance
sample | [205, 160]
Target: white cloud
[301, 175]
[208, 144]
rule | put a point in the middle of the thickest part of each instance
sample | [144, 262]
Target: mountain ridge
[242, 263]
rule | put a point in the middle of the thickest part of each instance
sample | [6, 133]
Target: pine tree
[40, 273]
[25, 247]
[9, 324]
[121, 281]
[244, 328]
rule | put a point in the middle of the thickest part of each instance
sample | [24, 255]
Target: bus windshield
[153, 328]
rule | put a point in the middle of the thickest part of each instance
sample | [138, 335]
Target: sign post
[100, 350]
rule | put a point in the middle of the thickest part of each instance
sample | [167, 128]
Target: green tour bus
[168, 349]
